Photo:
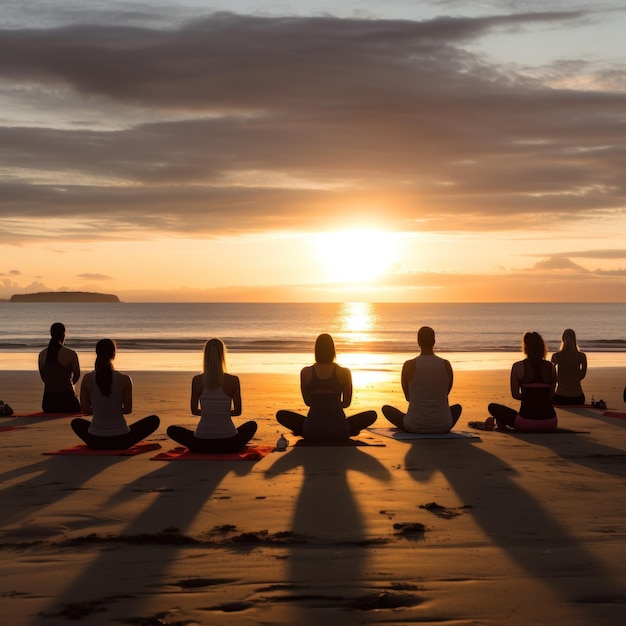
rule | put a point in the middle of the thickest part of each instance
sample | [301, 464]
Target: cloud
[247, 62]
[616, 273]
[559, 263]
[90, 276]
[257, 123]
[595, 254]
[557, 286]
[9, 287]
[7, 277]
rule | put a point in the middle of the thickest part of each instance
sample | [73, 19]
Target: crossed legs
[504, 415]
[396, 417]
[138, 431]
[295, 422]
[186, 437]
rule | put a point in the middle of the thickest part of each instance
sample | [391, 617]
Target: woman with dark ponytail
[216, 398]
[108, 396]
[60, 371]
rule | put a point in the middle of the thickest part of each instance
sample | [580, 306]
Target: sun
[356, 255]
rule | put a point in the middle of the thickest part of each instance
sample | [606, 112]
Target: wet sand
[505, 529]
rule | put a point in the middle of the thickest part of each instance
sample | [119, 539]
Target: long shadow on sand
[327, 515]
[132, 566]
[527, 532]
[51, 480]
[579, 449]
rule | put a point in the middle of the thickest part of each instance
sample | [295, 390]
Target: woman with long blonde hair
[216, 399]
[571, 368]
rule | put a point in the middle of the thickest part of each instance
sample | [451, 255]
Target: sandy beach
[502, 529]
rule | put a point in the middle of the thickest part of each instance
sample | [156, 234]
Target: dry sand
[525, 529]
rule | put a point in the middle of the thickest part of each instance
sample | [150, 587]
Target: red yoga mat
[48, 415]
[616, 414]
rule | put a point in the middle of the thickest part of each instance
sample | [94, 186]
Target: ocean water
[280, 337]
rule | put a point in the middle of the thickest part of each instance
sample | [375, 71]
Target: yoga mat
[616, 414]
[351, 443]
[83, 450]
[249, 453]
[399, 435]
[4, 429]
[48, 415]
[558, 431]
[511, 431]
[573, 406]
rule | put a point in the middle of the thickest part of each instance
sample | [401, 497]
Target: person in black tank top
[59, 370]
[533, 382]
[327, 390]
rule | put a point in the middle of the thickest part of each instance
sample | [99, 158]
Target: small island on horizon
[64, 296]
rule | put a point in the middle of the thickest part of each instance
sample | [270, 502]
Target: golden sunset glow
[240, 174]
[358, 319]
[356, 255]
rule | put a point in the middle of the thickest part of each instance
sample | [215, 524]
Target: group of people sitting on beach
[106, 395]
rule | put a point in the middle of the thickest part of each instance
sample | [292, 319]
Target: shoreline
[292, 362]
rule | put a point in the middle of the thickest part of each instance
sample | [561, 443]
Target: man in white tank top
[426, 382]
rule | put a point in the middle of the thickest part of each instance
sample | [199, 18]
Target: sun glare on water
[357, 328]
[356, 255]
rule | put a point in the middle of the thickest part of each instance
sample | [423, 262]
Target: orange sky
[431, 152]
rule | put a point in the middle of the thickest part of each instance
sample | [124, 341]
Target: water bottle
[282, 443]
